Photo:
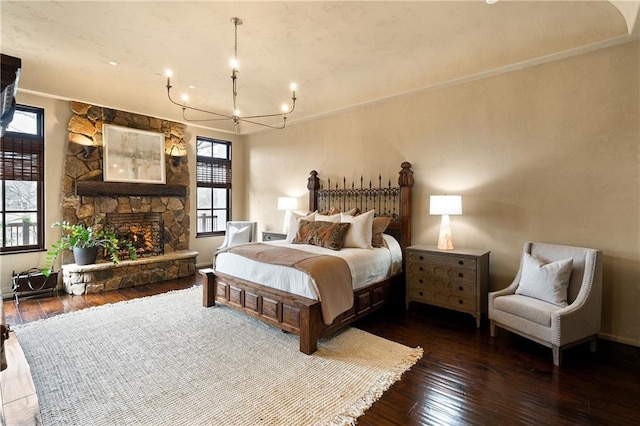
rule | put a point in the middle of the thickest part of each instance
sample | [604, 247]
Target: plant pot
[85, 256]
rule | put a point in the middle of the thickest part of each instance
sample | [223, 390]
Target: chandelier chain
[234, 77]
[235, 46]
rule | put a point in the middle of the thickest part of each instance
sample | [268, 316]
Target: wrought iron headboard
[387, 200]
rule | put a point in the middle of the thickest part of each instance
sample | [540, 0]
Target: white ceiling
[341, 54]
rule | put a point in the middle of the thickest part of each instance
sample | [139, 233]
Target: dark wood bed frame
[300, 315]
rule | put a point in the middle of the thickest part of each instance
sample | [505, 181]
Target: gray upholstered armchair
[535, 305]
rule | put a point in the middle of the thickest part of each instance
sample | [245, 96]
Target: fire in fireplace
[143, 230]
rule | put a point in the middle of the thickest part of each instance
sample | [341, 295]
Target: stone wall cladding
[85, 129]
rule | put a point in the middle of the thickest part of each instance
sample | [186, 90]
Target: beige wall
[548, 153]
[57, 114]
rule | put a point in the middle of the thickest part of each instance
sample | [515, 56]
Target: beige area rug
[166, 360]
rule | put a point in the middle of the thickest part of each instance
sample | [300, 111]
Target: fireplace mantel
[95, 188]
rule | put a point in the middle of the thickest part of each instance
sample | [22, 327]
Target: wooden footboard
[294, 314]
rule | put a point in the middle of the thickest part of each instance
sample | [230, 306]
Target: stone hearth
[106, 276]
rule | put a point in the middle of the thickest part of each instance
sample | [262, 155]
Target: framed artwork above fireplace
[132, 155]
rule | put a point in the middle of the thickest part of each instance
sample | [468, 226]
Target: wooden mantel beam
[106, 189]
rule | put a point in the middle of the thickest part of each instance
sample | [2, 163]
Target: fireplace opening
[143, 230]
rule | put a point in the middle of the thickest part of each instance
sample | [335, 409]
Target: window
[22, 182]
[213, 175]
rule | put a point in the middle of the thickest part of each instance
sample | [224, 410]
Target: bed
[301, 313]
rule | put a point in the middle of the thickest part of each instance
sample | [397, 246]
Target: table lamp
[445, 205]
[287, 204]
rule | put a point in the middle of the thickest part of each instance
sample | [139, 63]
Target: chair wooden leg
[593, 344]
[492, 328]
[557, 355]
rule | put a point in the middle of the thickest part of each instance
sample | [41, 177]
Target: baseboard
[204, 265]
[618, 339]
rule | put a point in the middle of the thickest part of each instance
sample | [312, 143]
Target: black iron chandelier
[236, 117]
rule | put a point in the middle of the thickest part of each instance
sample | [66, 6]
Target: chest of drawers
[454, 279]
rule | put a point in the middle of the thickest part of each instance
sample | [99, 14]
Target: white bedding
[367, 266]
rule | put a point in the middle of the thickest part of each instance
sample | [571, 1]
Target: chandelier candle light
[235, 117]
[445, 205]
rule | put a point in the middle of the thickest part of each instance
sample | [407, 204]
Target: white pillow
[361, 230]
[545, 282]
[238, 235]
[294, 221]
[334, 218]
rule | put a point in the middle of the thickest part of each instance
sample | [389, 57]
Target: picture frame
[132, 155]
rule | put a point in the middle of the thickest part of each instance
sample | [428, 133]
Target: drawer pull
[460, 288]
[420, 268]
[421, 281]
[460, 262]
[421, 293]
[460, 302]
[460, 274]
[421, 257]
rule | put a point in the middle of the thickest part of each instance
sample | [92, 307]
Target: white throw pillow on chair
[547, 282]
[238, 235]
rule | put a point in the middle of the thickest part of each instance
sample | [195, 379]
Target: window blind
[213, 172]
[21, 158]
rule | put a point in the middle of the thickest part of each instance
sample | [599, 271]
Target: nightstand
[453, 279]
[273, 236]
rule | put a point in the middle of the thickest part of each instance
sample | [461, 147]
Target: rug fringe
[350, 417]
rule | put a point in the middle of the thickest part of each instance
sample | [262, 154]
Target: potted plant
[85, 242]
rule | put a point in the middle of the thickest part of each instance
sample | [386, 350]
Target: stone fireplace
[154, 217]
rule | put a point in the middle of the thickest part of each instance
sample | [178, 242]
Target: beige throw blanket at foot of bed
[330, 273]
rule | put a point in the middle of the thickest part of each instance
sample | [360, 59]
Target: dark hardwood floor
[465, 377]
[45, 306]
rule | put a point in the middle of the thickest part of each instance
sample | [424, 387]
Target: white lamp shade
[287, 203]
[445, 204]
